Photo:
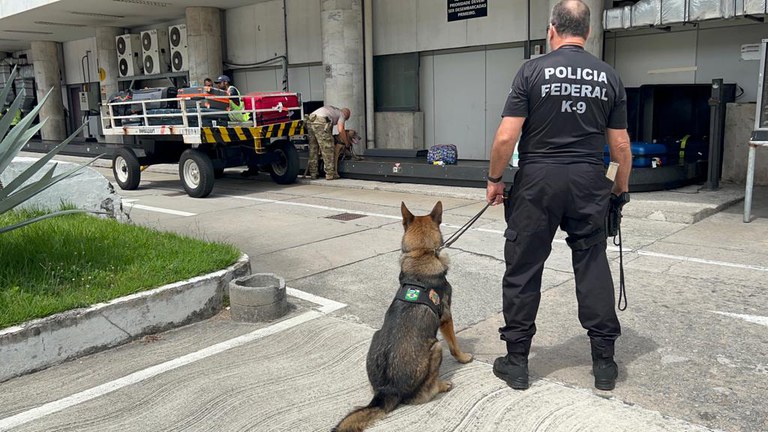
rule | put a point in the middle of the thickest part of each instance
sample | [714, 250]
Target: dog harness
[411, 292]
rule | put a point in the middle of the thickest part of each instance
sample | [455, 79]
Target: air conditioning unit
[154, 50]
[128, 52]
[177, 36]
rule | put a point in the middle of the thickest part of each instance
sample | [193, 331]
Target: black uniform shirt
[569, 97]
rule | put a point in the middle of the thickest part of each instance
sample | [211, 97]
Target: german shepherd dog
[404, 357]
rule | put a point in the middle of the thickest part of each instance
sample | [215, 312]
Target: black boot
[513, 368]
[603, 367]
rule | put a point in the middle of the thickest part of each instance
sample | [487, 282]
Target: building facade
[414, 74]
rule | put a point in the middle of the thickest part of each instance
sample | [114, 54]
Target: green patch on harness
[412, 295]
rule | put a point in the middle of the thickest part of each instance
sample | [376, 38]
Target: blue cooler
[643, 154]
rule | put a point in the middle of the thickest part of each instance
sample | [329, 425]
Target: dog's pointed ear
[437, 213]
[407, 215]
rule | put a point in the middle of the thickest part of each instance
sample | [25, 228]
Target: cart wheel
[196, 173]
[126, 169]
[285, 168]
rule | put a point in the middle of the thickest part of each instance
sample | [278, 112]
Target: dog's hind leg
[432, 384]
[446, 328]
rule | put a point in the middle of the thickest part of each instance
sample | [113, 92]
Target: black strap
[622, 288]
[455, 236]
[411, 292]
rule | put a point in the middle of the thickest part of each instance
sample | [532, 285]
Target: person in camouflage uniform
[320, 127]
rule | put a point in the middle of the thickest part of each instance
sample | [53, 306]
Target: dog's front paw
[464, 357]
[445, 386]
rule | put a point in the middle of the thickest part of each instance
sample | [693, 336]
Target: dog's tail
[359, 419]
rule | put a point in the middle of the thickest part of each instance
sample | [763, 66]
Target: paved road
[693, 355]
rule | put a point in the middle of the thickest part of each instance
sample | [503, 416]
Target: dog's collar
[413, 292]
[424, 251]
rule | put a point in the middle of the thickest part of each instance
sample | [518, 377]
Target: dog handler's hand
[495, 193]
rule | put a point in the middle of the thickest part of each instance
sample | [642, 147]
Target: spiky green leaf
[38, 165]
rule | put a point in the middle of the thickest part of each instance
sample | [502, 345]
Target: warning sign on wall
[466, 9]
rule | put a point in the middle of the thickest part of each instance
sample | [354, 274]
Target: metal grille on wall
[654, 13]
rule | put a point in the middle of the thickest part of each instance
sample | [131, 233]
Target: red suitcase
[207, 97]
[281, 105]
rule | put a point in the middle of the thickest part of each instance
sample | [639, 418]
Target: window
[396, 82]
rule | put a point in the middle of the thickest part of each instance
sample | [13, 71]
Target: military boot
[603, 367]
[513, 368]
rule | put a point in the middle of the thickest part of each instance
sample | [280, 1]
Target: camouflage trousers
[321, 141]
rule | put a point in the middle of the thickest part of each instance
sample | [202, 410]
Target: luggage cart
[202, 141]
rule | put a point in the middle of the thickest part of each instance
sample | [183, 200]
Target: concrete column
[106, 57]
[595, 42]
[342, 30]
[45, 56]
[204, 41]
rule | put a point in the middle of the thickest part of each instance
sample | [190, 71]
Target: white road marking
[327, 306]
[703, 261]
[611, 247]
[755, 319]
[314, 206]
[159, 209]
[386, 216]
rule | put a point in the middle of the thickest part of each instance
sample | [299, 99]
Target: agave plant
[14, 139]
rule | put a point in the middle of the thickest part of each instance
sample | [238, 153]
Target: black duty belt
[410, 292]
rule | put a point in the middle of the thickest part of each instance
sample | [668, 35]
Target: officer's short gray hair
[571, 18]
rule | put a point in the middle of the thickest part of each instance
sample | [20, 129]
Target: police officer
[320, 124]
[566, 104]
[223, 82]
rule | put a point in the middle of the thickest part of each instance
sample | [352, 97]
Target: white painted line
[314, 206]
[703, 261]
[386, 216]
[327, 306]
[159, 209]
[560, 241]
[755, 319]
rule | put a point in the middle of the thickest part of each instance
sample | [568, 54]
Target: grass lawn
[74, 261]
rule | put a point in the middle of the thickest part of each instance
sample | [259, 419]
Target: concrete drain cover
[346, 216]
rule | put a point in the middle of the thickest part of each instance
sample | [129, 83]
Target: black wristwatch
[495, 179]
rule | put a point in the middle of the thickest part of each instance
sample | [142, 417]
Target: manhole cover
[346, 216]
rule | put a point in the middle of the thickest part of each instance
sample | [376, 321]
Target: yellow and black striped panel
[226, 135]
[291, 128]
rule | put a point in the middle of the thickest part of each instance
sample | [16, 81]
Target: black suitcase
[121, 110]
[155, 93]
[172, 117]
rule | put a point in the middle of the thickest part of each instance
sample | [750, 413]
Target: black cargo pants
[574, 197]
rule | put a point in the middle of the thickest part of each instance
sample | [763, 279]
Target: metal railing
[185, 114]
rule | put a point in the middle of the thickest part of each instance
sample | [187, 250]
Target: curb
[44, 342]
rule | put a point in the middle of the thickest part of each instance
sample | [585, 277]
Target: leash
[455, 236]
[622, 288]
